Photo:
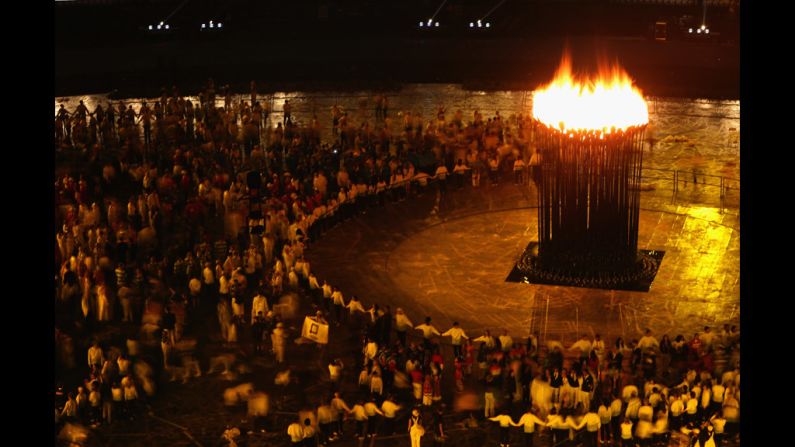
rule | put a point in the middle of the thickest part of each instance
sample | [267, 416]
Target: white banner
[315, 331]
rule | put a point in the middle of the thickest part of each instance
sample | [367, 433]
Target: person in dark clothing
[438, 427]
[257, 330]
[170, 323]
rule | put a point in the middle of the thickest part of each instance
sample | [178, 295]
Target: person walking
[528, 421]
[296, 433]
[428, 331]
[458, 335]
[560, 427]
[402, 325]
[626, 433]
[415, 428]
[592, 423]
[505, 422]
[279, 341]
[309, 433]
[339, 408]
[390, 409]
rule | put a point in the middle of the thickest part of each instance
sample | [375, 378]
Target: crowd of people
[199, 226]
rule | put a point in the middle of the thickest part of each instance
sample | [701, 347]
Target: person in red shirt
[416, 383]
[427, 391]
[459, 375]
[437, 359]
[437, 386]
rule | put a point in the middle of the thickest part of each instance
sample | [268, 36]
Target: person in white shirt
[354, 305]
[626, 433]
[372, 411]
[223, 286]
[335, 372]
[338, 405]
[615, 417]
[69, 411]
[259, 304]
[402, 325]
[325, 418]
[360, 416]
[296, 433]
[718, 391]
[633, 406]
[605, 415]
[370, 350]
[708, 339]
[505, 422]
[645, 412]
[706, 399]
[208, 275]
[560, 427]
[376, 383]
[691, 408]
[598, 346]
[458, 335]
[628, 392]
[328, 302]
[428, 331]
[279, 342]
[677, 408]
[644, 430]
[494, 166]
[648, 342]
[292, 279]
[459, 170]
[416, 430]
[488, 341]
[315, 290]
[95, 356]
[584, 346]
[660, 428]
[390, 409]
[339, 304]
[528, 421]
[441, 177]
[506, 341]
[592, 424]
[719, 425]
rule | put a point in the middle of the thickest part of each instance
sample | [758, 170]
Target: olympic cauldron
[589, 134]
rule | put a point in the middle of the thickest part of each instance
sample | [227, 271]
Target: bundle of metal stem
[588, 196]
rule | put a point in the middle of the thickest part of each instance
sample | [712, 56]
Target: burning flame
[609, 101]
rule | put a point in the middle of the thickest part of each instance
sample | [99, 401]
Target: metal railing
[725, 189]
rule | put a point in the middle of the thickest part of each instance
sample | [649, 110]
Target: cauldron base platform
[636, 277]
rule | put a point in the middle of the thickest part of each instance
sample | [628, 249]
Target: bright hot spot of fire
[590, 104]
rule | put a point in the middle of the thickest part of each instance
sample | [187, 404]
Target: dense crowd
[198, 225]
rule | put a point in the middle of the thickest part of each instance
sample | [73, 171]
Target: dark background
[105, 45]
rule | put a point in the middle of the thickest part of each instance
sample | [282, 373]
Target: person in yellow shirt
[505, 422]
[296, 434]
[528, 421]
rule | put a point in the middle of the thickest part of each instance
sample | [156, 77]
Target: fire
[587, 104]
